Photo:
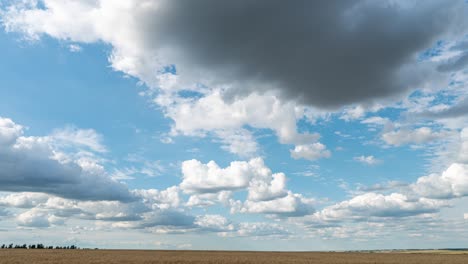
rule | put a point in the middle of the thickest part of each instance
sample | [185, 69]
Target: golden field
[16, 256]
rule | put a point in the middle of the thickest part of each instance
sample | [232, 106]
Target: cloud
[390, 185]
[310, 151]
[160, 199]
[72, 136]
[30, 164]
[75, 48]
[425, 196]
[376, 120]
[209, 199]
[23, 200]
[38, 219]
[456, 64]
[258, 230]
[211, 114]
[9, 131]
[417, 136]
[261, 183]
[150, 208]
[371, 204]
[266, 191]
[226, 228]
[291, 205]
[214, 223]
[457, 110]
[453, 182]
[248, 49]
[240, 142]
[369, 160]
[210, 178]
[463, 147]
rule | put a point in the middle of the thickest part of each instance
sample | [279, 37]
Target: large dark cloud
[323, 53]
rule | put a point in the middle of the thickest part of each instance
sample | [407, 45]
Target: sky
[234, 125]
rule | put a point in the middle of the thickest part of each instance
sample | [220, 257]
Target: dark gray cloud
[25, 172]
[26, 165]
[171, 218]
[322, 53]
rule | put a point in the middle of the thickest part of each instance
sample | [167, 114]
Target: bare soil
[16, 256]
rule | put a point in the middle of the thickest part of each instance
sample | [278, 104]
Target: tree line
[36, 246]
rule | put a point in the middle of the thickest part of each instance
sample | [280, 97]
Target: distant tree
[33, 246]
[3, 246]
[10, 246]
[24, 246]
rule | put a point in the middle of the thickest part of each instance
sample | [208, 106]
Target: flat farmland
[15, 256]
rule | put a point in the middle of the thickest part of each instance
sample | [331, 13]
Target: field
[16, 256]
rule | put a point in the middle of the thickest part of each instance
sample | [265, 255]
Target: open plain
[16, 256]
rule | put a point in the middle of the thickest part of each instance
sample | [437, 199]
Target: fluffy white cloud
[160, 199]
[369, 160]
[267, 186]
[227, 120]
[253, 175]
[23, 200]
[291, 205]
[452, 183]
[214, 223]
[9, 131]
[310, 151]
[371, 204]
[266, 191]
[209, 199]
[38, 218]
[210, 178]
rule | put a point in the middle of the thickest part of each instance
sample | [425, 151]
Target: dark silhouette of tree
[36, 246]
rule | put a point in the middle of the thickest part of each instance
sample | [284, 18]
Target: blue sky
[126, 124]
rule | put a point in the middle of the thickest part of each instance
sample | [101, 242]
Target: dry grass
[14, 256]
